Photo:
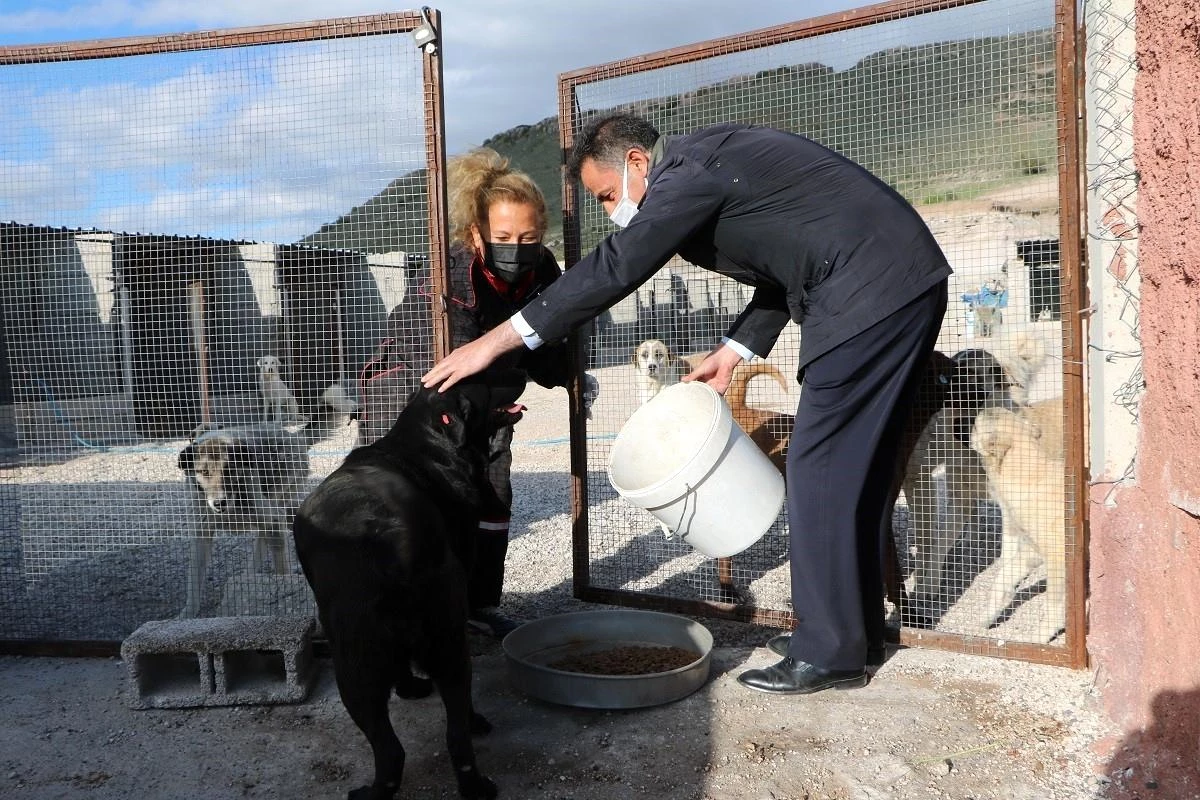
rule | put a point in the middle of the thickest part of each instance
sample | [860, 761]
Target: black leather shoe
[797, 677]
[876, 654]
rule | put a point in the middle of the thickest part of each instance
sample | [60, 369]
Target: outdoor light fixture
[424, 34]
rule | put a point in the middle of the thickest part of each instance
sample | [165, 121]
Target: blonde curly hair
[479, 178]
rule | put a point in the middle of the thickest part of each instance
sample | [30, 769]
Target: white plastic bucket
[683, 458]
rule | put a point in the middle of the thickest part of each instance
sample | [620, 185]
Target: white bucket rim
[688, 474]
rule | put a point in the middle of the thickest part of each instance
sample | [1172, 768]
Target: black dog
[978, 381]
[384, 544]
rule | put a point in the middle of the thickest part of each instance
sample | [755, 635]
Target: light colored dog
[279, 404]
[656, 368]
[981, 379]
[1022, 454]
[989, 317]
[245, 478]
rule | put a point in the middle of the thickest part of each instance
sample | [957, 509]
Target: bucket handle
[670, 534]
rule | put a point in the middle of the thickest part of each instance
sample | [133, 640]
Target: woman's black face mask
[508, 262]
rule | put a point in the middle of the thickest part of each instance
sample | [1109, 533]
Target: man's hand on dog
[472, 357]
[716, 369]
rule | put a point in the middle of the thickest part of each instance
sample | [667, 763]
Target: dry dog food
[627, 660]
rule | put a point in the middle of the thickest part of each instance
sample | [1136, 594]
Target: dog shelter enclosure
[180, 207]
[183, 212]
[968, 109]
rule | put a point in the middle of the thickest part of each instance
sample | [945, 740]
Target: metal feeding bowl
[574, 641]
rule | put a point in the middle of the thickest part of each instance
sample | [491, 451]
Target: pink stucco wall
[1145, 552]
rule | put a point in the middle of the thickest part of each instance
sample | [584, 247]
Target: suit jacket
[822, 240]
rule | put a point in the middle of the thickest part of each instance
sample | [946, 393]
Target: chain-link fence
[1117, 380]
[968, 110]
[225, 230]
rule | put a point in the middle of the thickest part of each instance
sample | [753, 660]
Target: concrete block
[220, 661]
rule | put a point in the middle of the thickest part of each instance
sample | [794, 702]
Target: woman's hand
[716, 369]
[472, 357]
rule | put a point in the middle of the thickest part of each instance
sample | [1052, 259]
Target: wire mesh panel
[965, 108]
[211, 288]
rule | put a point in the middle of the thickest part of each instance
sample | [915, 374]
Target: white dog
[656, 368]
[1022, 453]
[279, 404]
[981, 379]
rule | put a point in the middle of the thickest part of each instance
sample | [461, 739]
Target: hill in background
[938, 122]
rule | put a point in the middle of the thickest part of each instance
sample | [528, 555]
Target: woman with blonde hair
[497, 264]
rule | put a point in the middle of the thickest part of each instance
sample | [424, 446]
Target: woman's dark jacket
[478, 304]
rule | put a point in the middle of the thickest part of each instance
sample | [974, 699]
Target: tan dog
[1022, 454]
[981, 378]
[656, 368]
[770, 430]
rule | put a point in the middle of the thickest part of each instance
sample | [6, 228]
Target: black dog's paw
[412, 687]
[479, 725]
[474, 786]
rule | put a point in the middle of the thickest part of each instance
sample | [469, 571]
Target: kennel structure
[177, 208]
[968, 109]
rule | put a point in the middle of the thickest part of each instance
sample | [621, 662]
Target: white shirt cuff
[740, 349]
[527, 333]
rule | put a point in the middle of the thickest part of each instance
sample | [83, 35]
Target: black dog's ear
[451, 421]
[445, 412]
[187, 458]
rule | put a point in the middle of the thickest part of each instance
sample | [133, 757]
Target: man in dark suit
[824, 243]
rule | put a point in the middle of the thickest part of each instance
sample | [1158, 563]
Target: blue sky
[216, 143]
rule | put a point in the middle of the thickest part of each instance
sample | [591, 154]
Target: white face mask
[625, 209]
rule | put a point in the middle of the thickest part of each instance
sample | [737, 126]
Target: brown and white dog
[245, 479]
[656, 367]
[1022, 454]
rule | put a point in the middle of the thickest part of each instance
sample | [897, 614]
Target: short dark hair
[607, 139]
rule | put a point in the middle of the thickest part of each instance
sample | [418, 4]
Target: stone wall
[1145, 535]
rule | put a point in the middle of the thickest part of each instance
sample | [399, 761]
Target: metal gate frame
[425, 27]
[1074, 302]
